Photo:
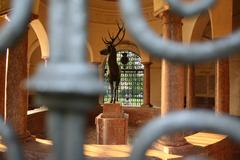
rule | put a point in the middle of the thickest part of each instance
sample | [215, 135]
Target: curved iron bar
[179, 121]
[190, 9]
[19, 19]
[14, 151]
[69, 86]
[175, 51]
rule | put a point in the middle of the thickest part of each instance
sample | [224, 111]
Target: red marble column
[190, 95]
[146, 95]
[17, 97]
[2, 82]
[172, 86]
[222, 86]
[2, 75]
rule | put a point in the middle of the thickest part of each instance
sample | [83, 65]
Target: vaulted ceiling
[110, 5]
[107, 11]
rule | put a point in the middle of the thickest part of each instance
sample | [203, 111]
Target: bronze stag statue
[114, 75]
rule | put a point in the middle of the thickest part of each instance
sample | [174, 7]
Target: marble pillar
[173, 76]
[17, 96]
[146, 94]
[222, 86]
[2, 83]
[190, 95]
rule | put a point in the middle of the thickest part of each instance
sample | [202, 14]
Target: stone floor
[92, 137]
[213, 145]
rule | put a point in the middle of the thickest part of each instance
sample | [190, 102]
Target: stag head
[113, 41]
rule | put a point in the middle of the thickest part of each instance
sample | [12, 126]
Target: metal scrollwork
[19, 19]
[185, 120]
[155, 45]
[13, 152]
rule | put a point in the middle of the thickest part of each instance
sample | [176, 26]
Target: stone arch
[42, 38]
[34, 45]
[90, 53]
[200, 26]
[35, 59]
[135, 91]
[222, 27]
[128, 45]
[222, 9]
[43, 42]
[204, 73]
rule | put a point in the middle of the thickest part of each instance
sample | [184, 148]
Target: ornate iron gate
[130, 90]
[70, 86]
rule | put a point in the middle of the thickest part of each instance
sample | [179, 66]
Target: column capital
[160, 6]
[162, 10]
[168, 17]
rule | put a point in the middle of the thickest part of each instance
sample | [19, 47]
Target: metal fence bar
[57, 8]
[77, 42]
[9, 34]
[193, 53]
[14, 152]
[185, 120]
[19, 19]
[69, 86]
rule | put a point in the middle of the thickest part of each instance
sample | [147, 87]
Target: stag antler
[120, 29]
[113, 38]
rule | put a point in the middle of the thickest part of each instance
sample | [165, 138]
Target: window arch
[131, 85]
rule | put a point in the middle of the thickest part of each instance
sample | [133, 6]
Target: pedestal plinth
[112, 125]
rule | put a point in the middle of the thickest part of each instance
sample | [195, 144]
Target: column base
[185, 149]
[26, 137]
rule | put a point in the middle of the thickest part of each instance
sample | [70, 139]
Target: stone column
[101, 77]
[146, 94]
[2, 76]
[222, 86]
[17, 97]
[172, 76]
[2, 83]
[190, 95]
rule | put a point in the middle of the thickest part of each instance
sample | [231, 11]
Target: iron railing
[70, 86]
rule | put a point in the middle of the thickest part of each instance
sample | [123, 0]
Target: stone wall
[137, 117]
